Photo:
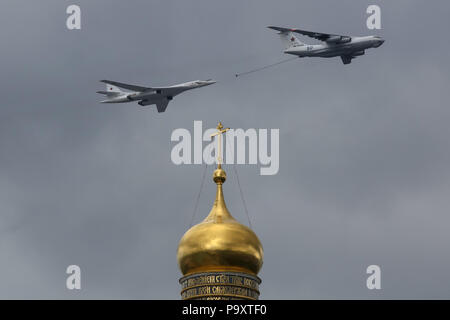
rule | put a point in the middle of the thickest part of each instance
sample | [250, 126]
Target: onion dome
[219, 242]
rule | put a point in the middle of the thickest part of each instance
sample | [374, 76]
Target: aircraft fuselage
[152, 96]
[136, 96]
[355, 46]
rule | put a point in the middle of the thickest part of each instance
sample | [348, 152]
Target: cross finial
[219, 146]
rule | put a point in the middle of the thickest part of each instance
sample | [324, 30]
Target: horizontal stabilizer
[328, 37]
[280, 29]
[111, 92]
[115, 84]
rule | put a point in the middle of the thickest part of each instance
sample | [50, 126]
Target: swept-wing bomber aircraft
[161, 96]
[334, 45]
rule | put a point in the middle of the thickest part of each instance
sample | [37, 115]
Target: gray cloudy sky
[364, 148]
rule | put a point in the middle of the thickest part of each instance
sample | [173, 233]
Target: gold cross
[219, 134]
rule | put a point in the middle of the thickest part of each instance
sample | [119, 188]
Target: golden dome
[219, 242]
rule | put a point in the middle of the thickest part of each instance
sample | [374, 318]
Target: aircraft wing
[162, 105]
[126, 86]
[347, 59]
[166, 91]
[169, 91]
[327, 37]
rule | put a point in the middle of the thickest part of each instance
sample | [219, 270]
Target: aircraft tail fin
[111, 91]
[287, 37]
[290, 40]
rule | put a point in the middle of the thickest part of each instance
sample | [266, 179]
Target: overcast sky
[364, 148]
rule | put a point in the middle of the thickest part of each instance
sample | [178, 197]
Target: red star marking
[292, 39]
[110, 88]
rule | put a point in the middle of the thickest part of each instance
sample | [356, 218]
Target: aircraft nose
[208, 82]
[378, 43]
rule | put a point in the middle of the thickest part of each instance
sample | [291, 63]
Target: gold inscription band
[220, 285]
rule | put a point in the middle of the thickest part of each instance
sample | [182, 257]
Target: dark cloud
[364, 156]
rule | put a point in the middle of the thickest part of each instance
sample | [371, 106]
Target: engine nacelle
[339, 39]
[345, 39]
[358, 53]
[334, 39]
[144, 103]
[132, 96]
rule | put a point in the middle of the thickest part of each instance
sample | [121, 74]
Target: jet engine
[339, 39]
[144, 103]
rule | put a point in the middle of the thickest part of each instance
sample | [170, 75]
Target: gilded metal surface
[219, 137]
[220, 257]
[220, 286]
[219, 242]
